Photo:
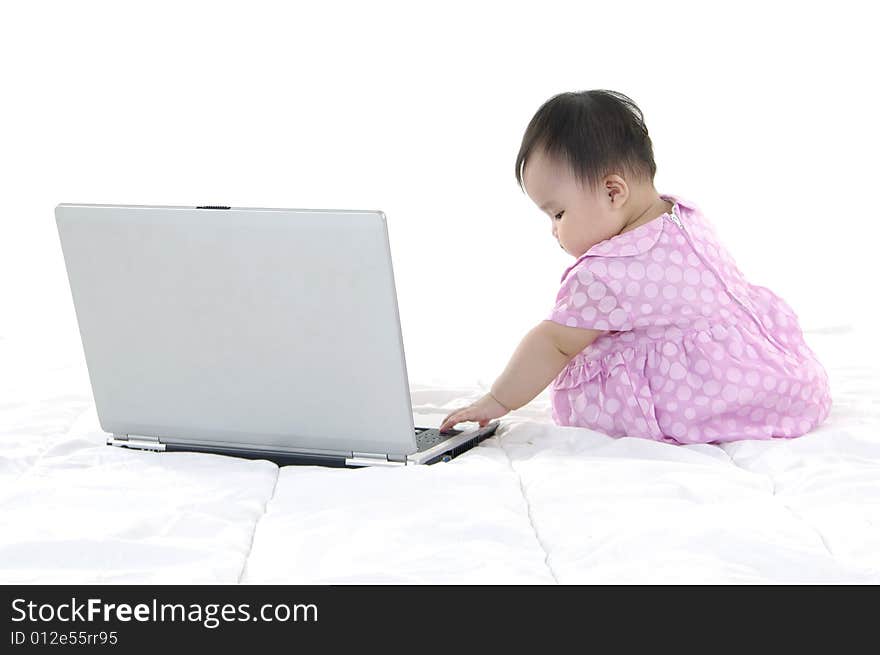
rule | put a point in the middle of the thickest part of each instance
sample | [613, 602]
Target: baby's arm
[539, 358]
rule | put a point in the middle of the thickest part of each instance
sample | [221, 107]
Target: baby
[655, 332]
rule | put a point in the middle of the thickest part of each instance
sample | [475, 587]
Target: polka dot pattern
[690, 351]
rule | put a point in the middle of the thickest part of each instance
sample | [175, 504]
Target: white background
[763, 114]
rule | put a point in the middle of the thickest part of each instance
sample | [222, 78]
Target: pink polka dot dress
[691, 353]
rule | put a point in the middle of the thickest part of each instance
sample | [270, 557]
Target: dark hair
[596, 133]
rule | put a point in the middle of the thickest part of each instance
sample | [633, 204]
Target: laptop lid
[277, 328]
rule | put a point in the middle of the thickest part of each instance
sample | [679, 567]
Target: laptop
[250, 332]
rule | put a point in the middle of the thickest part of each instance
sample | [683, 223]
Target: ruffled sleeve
[587, 299]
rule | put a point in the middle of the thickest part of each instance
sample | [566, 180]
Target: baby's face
[579, 218]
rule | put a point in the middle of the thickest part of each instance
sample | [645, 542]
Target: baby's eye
[559, 214]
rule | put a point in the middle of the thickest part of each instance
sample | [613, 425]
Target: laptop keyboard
[429, 437]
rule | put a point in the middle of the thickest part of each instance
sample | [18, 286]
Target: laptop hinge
[371, 459]
[139, 442]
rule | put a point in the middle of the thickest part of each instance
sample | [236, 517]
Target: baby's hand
[482, 411]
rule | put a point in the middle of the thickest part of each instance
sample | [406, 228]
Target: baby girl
[655, 332]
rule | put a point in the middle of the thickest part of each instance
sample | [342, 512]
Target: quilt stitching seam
[805, 522]
[256, 523]
[799, 517]
[785, 505]
[529, 512]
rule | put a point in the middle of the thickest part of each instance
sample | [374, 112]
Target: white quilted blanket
[536, 503]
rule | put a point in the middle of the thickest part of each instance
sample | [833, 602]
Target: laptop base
[426, 436]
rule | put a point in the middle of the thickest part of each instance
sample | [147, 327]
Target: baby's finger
[450, 421]
[452, 415]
